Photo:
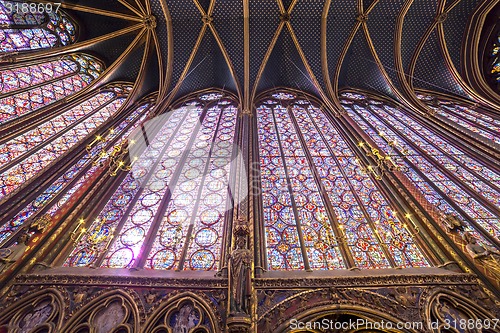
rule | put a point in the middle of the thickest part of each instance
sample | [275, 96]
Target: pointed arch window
[170, 210]
[28, 88]
[494, 63]
[320, 211]
[448, 177]
[28, 154]
[59, 192]
[24, 31]
[482, 122]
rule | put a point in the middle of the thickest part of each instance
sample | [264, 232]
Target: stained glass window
[27, 31]
[448, 178]
[319, 209]
[495, 60]
[30, 88]
[30, 153]
[59, 192]
[481, 122]
[176, 195]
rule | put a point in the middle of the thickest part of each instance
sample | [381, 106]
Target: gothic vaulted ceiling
[248, 46]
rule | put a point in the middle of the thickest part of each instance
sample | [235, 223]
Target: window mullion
[134, 201]
[334, 223]
[39, 85]
[54, 199]
[292, 198]
[167, 197]
[46, 142]
[189, 236]
[451, 157]
[359, 202]
[466, 188]
[432, 184]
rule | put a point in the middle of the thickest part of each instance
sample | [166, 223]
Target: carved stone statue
[11, 254]
[452, 222]
[240, 281]
[488, 257]
[41, 224]
[476, 250]
[241, 260]
[186, 319]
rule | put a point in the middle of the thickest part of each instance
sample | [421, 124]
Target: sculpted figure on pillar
[488, 257]
[240, 270]
[452, 222]
[9, 255]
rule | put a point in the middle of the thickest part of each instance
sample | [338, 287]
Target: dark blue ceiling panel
[360, 70]
[228, 22]
[381, 25]
[454, 28]
[187, 24]
[285, 68]
[431, 71]
[306, 24]
[208, 69]
[417, 20]
[264, 20]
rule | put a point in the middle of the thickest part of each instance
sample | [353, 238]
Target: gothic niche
[452, 314]
[108, 314]
[36, 314]
[183, 315]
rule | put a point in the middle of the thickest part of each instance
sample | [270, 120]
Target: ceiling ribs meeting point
[285, 14]
[208, 24]
[362, 16]
[165, 83]
[407, 89]
[131, 8]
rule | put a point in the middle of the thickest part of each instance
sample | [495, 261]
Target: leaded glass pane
[176, 195]
[22, 167]
[46, 30]
[316, 196]
[76, 176]
[43, 84]
[447, 177]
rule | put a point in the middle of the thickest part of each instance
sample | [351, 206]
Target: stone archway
[346, 319]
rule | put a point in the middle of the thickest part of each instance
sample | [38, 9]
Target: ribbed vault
[249, 46]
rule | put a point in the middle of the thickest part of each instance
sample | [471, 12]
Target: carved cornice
[366, 281]
[125, 281]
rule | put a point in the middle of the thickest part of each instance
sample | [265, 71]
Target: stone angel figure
[489, 257]
[452, 222]
[13, 253]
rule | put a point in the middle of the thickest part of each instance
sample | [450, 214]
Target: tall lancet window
[480, 121]
[170, 210]
[24, 30]
[31, 152]
[53, 197]
[27, 88]
[495, 60]
[447, 176]
[320, 210]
